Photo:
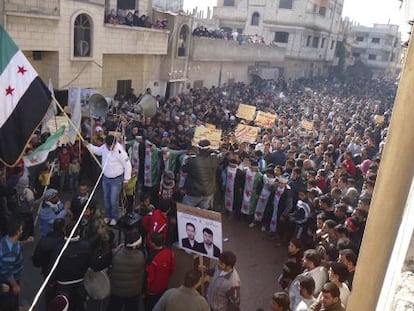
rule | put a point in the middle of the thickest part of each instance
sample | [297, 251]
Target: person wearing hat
[127, 274]
[51, 209]
[117, 169]
[200, 183]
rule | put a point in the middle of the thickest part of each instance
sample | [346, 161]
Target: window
[372, 57]
[322, 11]
[228, 3]
[285, 4]
[125, 4]
[281, 36]
[356, 55]
[123, 86]
[375, 40]
[82, 38]
[183, 41]
[360, 39]
[323, 42]
[315, 42]
[332, 44]
[308, 41]
[255, 19]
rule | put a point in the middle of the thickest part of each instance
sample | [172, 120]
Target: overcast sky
[366, 12]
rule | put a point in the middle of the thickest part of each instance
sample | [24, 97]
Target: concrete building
[307, 30]
[378, 47]
[70, 42]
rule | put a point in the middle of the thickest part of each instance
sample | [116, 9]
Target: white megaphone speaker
[147, 106]
[98, 106]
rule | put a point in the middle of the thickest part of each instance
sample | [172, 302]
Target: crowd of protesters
[310, 190]
[132, 18]
[202, 31]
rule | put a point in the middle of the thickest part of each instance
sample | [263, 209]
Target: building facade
[377, 47]
[307, 29]
[73, 43]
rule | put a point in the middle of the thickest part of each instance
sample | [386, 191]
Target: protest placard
[213, 135]
[265, 119]
[199, 231]
[246, 112]
[379, 119]
[246, 133]
[307, 125]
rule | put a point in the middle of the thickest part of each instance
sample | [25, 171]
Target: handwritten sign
[265, 119]
[210, 126]
[56, 123]
[115, 134]
[246, 133]
[379, 119]
[246, 112]
[307, 125]
[213, 135]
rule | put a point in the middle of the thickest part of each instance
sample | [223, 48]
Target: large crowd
[308, 189]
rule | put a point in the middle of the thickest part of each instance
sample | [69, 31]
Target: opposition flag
[75, 111]
[39, 155]
[24, 100]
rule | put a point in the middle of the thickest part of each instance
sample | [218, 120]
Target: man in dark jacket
[200, 183]
[127, 275]
[44, 251]
[72, 267]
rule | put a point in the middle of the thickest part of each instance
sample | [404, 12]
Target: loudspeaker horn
[98, 106]
[147, 106]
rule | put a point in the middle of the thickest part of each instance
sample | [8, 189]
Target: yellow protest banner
[379, 119]
[116, 134]
[56, 123]
[246, 133]
[213, 135]
[210, 126]
[265, 119]
[246, 112]
[307, 125]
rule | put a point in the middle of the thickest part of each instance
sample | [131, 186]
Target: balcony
[32, 7]
[134, 40]
[207, 49]
[230, 13]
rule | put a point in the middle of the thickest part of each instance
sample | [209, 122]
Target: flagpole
[44, 191]
[76, 130]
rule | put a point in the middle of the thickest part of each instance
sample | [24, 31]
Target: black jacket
[201, 178]
[44, 251]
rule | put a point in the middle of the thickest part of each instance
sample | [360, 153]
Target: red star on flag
[248, 193]
[21, 70]
[9, 91]
[258, 214]
[231, 176]
[228, 204]
[262, 200]
[249, 178]
[228, 190]
[147, 167]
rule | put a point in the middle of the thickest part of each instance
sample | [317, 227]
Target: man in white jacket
[116, 170]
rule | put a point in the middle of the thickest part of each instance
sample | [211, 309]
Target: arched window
[82, 38]
[182, 45]
[255, 19]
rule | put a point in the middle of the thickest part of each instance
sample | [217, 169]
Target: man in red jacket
[160, 266]
[156, 221]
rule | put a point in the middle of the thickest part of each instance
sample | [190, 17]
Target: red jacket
[159, 271]
[155, 221]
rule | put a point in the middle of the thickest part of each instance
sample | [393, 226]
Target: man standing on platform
[117, 169]
[200, 183]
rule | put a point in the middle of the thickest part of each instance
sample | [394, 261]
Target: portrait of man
[189, 241]
[207, 247]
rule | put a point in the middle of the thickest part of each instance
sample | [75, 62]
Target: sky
[365, 12]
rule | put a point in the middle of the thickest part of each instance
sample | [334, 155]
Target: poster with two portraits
[199, 231]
